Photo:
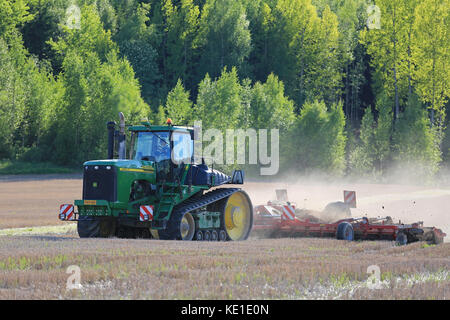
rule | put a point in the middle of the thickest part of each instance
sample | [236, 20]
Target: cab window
[183, 147]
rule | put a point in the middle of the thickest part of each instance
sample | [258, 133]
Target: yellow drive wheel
[187, 227]
[238, 216]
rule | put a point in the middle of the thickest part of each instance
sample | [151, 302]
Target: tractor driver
[161, 149]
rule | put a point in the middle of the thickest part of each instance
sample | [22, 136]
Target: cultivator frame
[270, 220]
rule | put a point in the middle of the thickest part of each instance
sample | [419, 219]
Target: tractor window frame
[165, 135]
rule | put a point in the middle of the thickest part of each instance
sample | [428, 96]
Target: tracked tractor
[157, 190]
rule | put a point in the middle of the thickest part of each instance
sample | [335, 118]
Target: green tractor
[155, 190]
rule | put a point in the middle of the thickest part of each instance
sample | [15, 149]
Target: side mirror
[237, 177]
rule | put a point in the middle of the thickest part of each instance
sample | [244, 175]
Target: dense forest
[355, 87]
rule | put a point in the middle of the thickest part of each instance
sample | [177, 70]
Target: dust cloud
[400, 197]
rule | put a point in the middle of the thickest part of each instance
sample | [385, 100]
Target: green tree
[98, 85]
[224, 37]
[372, 155]
[269, 107]
[12, 95]
[361, 158]
[219, 102]
[306, 51]
[392, 51]
[13, 13]
[262, 31]
[143, 58]
[317, 140]
[415, 143]
[432, 38]
[178, 105]
[182, 25]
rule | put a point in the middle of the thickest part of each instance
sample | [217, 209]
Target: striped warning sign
[66, 212]
[350, 198]
[288, 213]
[146, 213]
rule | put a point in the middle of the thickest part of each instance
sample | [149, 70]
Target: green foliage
[232, 64]
[28, 94]
[178, 105]
[19, 167]
[370, 157]
[317, 140]
[90, 39]
[143, 58]
[13, 13]
[269, 107]
[181, 31]
[221, 98]
[224, 36]
[432, 38]
[415, 141]
[98, 85]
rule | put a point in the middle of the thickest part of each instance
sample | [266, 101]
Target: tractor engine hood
[112, 179]
[123, 165]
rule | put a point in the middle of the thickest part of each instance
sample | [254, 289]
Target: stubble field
[34, 260]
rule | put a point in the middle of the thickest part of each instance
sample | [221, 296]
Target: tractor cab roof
[147, 127]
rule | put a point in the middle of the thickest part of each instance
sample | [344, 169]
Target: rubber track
[204, 200]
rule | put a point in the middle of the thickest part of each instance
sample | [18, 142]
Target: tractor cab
[169, 149]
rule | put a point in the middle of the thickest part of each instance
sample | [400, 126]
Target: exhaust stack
[122, 144]
[111, 132]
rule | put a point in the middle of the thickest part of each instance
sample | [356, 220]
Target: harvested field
[34, 261]
[33, 200]
[35, 267]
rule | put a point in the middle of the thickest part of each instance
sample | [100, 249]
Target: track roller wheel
[181, 226]
[222, 235]
[207, 235]
[199, 235]
[237, 217]
[214, 235]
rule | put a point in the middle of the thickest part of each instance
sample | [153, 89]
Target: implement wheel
[237, 216]
[431, 238]
[401, 239]
[345, 231]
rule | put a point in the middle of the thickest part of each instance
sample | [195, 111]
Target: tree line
[355, 87]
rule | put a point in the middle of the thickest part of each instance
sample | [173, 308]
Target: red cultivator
[280, 219]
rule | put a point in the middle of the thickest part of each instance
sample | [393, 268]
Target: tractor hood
[124, 165]
[112, 179]
[121, 163]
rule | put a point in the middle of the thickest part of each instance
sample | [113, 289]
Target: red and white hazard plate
[288, 213]
[350, 198]
[146, 213]
[66, 212]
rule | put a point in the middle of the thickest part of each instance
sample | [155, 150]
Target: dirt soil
[34, 200]
[35, 266]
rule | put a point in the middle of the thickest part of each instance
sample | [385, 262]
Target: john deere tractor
[155, 190]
